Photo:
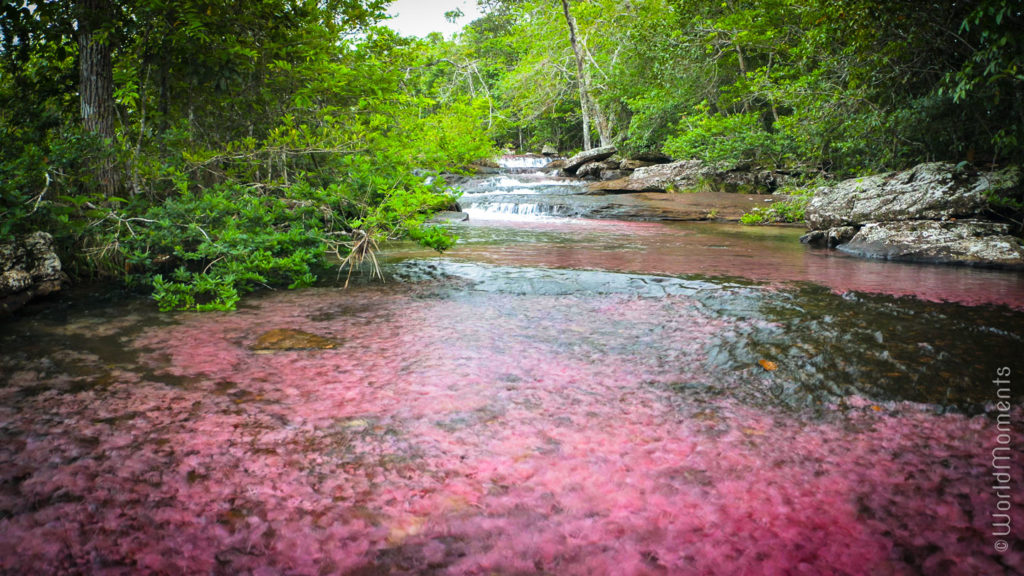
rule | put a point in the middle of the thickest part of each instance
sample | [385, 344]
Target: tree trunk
[96, 87]
[604, 125]
[581, 76]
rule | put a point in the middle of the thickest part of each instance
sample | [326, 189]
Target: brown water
[554, 396]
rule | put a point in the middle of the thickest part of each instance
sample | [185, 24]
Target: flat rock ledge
[447, 217]
[971, 242]
[593, 155]
[685, 176]
[934, 213]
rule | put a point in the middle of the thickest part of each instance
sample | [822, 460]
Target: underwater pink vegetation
[479, 434]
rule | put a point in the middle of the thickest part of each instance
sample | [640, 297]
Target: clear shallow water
[761, 254]
[551, 398]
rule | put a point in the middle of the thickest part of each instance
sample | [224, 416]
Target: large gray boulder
[971, 242]
[689, 176]
[589, 170]
[926, 192]
[29, 267]
[682, 175]
[595, 169]
[934, 212]
[613, 174]
[592, 155]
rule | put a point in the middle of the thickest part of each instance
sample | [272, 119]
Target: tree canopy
[248, 138]
[851, 86]
[206, 147]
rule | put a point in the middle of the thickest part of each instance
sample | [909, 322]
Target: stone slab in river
[683, 175]
[969, 242]
[682, 207]
[448, 216]
[592, 155]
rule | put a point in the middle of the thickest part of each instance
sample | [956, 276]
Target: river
[556, 395]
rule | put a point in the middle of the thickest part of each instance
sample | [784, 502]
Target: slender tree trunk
[581, 76]
[743, 71]
[604, 125]
[96, 86]
[164, 99]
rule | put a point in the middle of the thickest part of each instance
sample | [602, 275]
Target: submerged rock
[831, 237]
[934, 212]
[281, 339]
[29, 267]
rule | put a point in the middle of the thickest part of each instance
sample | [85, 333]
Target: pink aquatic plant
[478, 433]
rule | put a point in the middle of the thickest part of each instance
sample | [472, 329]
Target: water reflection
[758, 254]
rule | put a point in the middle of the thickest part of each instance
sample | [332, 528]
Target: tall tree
[581, 75]
[96, 85]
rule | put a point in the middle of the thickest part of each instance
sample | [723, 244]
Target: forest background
[201, 149]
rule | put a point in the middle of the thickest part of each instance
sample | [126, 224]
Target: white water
[523, 161]
[508, 211]
[506, 183]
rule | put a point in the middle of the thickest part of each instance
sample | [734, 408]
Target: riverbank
[543, 398]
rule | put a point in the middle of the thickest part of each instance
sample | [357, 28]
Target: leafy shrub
[228, 240]
[727, 140]
[788, 211]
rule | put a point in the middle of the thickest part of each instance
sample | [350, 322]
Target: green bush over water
[252, 145]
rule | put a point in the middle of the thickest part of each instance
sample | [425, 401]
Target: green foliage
[790, 211]
[224, 242]
[852, 87]
[738, 139]
[992, 78]
[254, 139]
[1006, 196]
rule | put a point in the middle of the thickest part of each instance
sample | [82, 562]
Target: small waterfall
[512, 210]
[523, 162]
[521, 192]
